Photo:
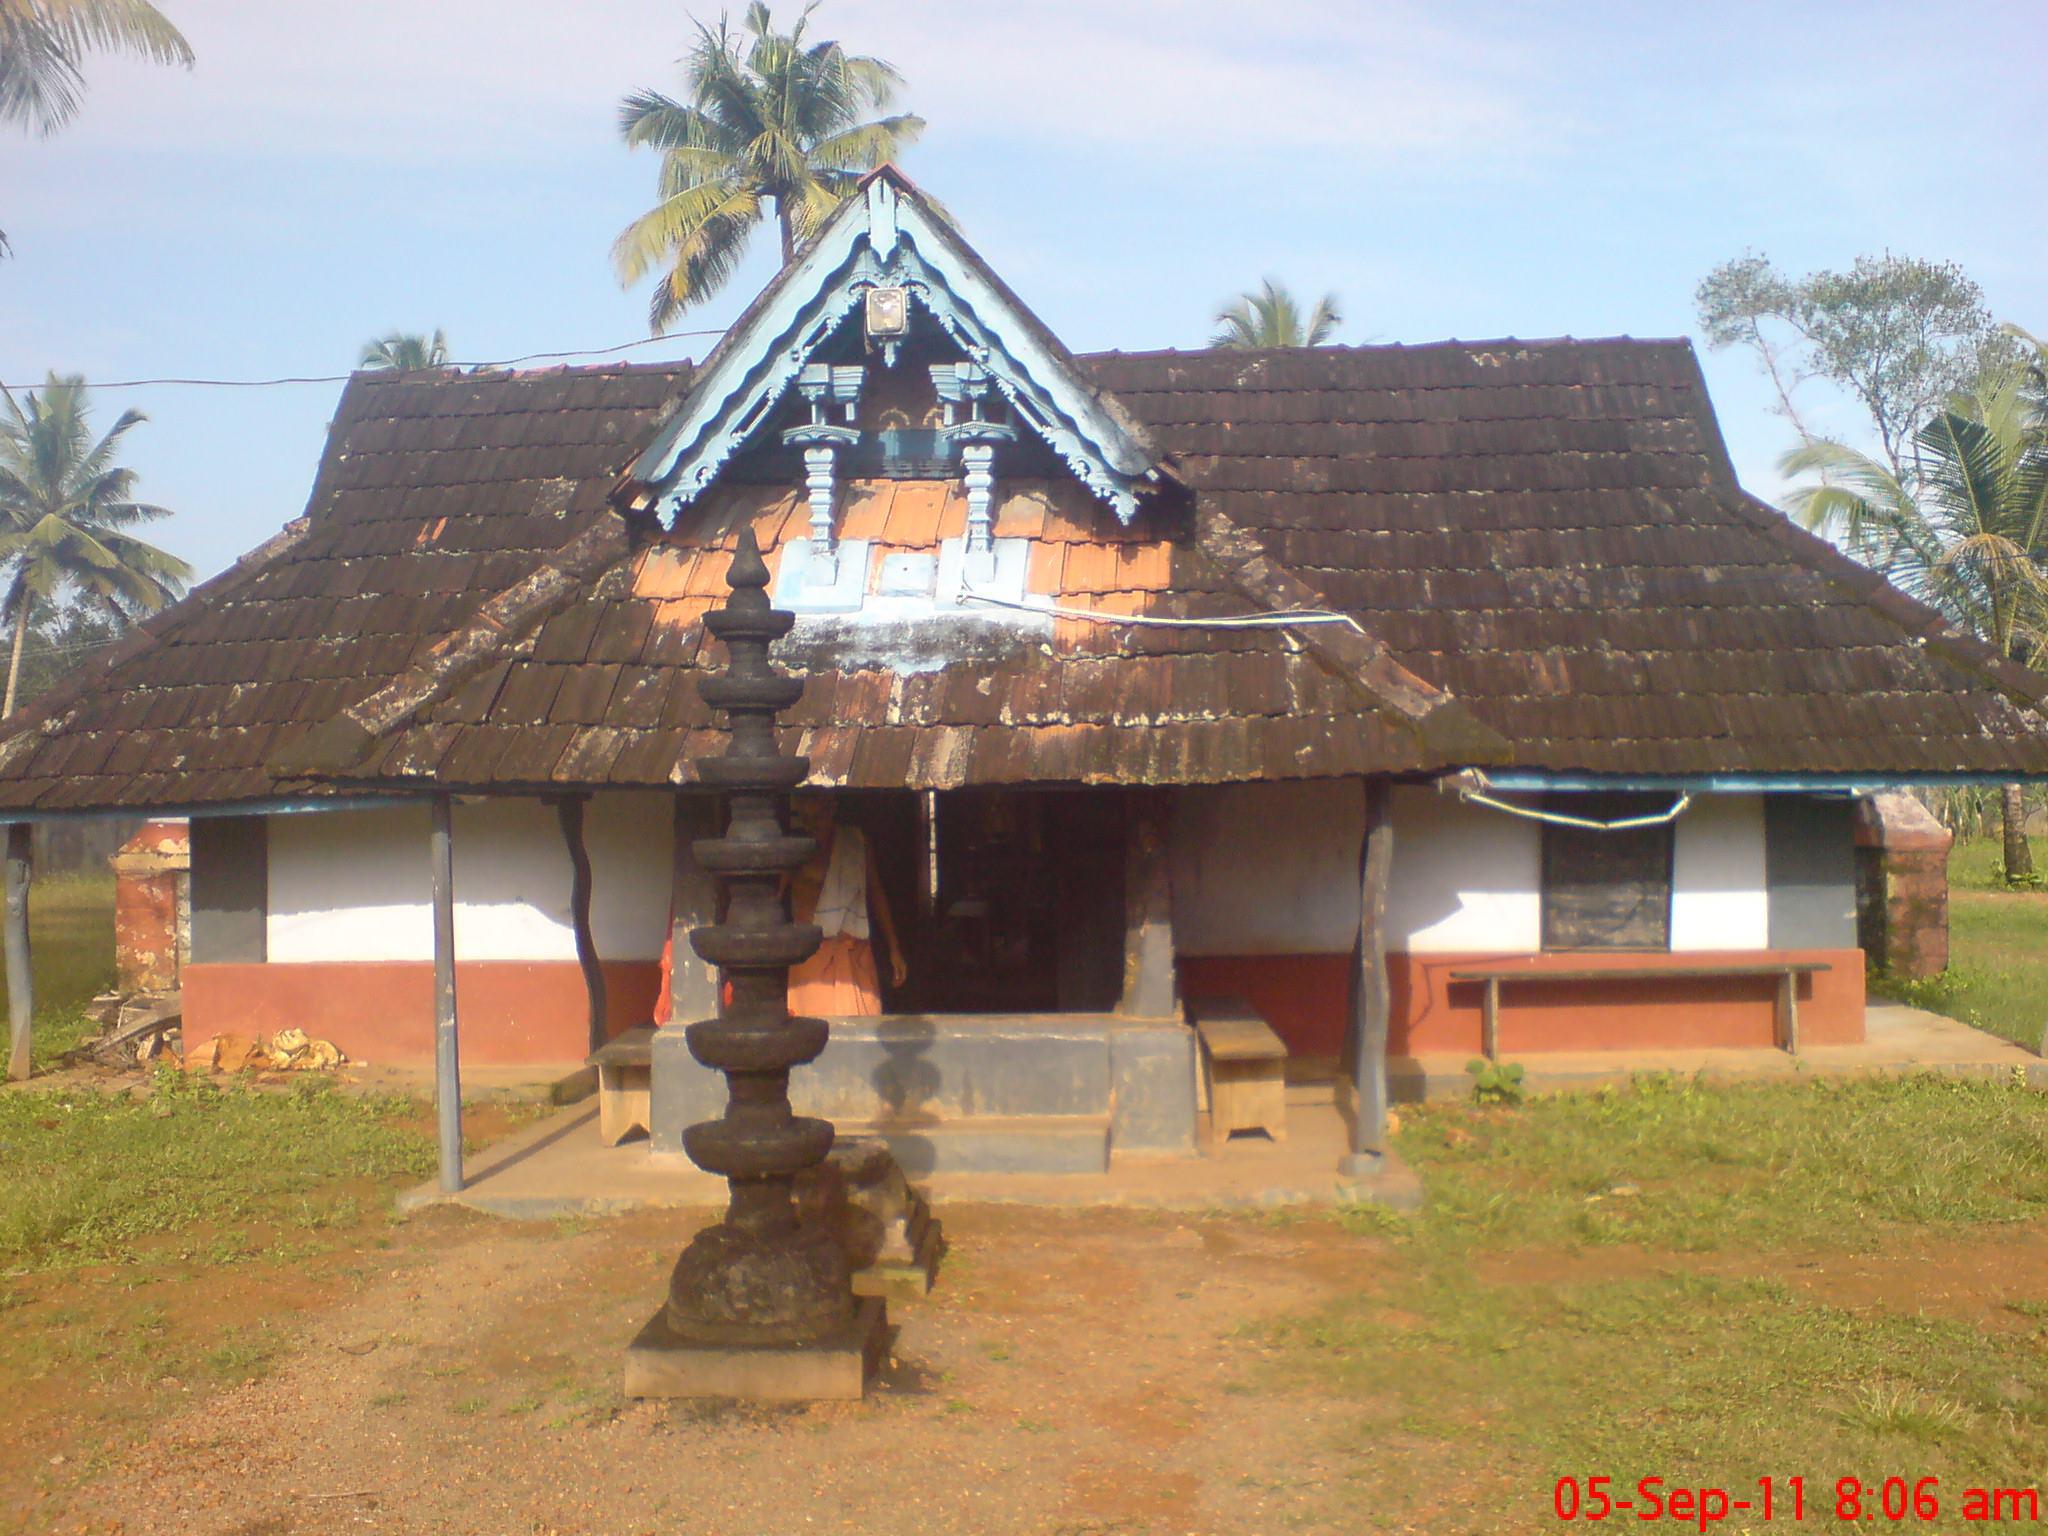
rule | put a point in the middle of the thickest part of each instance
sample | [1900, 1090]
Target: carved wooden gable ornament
[889, 298]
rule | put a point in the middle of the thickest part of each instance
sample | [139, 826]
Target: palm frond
[43, 44]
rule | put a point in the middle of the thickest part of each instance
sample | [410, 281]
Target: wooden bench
[1245, 1065]
[625, 1078]
[1787, 973]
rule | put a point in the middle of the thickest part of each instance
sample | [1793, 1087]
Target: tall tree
[43, 45]
[1899, 334]
[1966, 528]
[772, 118]
[65, 508]
[1272, 318]
[402, 351]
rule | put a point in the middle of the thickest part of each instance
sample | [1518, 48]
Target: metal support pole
[1372, 997]
[21, 983]
[447, 1059]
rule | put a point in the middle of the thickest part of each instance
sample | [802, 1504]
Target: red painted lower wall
[1432, 1013]
[511, 1012]
[1306, 999]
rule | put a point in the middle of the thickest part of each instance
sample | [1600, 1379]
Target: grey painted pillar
[693, 981]
[447, 1058]
[569, 810]
[21, 984]
[1372, 1003]
[1151, 989]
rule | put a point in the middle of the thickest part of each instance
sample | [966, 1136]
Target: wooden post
[1372, 998]
[693, 903]
[1788, 1011]
[21, 982]
[570, 811]
[447, 1058]
[1489, 1020]
[1150, 990]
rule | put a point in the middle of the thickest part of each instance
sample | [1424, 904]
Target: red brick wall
[149, 873]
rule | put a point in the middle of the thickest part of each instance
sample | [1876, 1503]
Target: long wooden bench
[1787, 973]
[625, 1084]
[1246, 1067]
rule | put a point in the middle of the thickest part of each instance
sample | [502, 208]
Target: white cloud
[1174, 79]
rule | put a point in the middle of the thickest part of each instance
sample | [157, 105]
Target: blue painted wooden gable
[887, 246]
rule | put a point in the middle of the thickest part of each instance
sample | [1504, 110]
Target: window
[1607, 890]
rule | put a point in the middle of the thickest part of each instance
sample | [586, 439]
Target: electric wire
[343, 378]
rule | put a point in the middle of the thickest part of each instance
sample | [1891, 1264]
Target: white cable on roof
[1278, 619]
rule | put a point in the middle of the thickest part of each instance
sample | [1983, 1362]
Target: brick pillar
[151, 919]
[1902, 884]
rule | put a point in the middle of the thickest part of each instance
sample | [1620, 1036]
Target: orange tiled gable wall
[1080, 556]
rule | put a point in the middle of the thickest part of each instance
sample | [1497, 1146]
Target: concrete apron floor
[1896, 1039]
[556, 1166]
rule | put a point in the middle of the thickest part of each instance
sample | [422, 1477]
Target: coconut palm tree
[1966, 530]
[65, 508]
[403, 351]
[771, 118]
[43, 44]
[1272, 318]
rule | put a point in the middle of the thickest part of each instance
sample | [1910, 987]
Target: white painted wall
[1267, 869]
[354, 885]
[1720, 893]
[1467, 879]
[1464, 880]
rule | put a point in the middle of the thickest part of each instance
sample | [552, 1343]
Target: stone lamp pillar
[760, 1305]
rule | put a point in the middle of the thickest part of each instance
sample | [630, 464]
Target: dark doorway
[1009, 901]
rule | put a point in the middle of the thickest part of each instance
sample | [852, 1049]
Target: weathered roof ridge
[1445, 344]
[334, 746]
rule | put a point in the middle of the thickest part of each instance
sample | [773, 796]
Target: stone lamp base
[659, 1363]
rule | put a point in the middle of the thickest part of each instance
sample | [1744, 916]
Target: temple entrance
[1008, 901]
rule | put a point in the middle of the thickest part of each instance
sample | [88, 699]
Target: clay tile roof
[437, 493]
[1541, 550]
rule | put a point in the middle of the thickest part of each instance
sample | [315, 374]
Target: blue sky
[334, 169]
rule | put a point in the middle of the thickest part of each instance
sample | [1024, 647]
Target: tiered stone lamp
[760, 1305]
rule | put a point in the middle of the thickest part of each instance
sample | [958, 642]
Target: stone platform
[974, 1093]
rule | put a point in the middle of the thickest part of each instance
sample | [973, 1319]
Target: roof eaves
[144, 634]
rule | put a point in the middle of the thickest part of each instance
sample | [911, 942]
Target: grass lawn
[1998, 950]
[162, 1240]
[1711, 1285]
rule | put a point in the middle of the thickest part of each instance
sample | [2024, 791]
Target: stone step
[992, 1143]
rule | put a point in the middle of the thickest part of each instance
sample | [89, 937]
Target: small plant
[1496, 1082]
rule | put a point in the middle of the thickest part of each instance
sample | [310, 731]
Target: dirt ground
[1074, 1373]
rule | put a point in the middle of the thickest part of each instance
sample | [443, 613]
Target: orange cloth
[840, 980]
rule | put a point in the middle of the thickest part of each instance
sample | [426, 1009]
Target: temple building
[1416, 699]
